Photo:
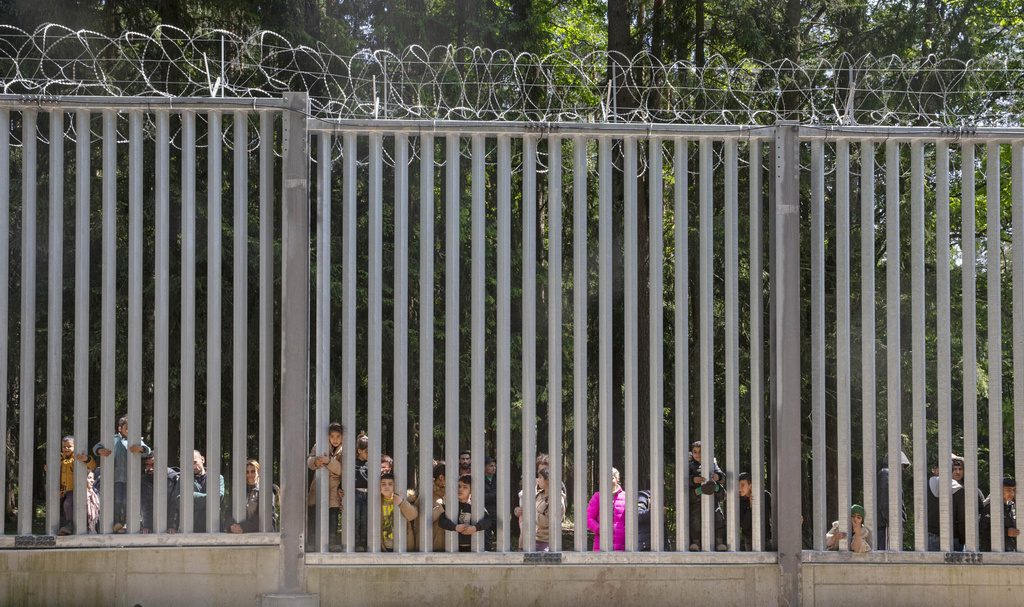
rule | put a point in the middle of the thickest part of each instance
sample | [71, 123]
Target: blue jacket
[120, 449]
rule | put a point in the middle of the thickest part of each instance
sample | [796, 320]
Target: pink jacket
[618, 520]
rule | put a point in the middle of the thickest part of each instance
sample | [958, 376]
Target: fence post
[294, 352]
[785, 273]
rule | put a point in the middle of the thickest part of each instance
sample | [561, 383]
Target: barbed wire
[478, 84]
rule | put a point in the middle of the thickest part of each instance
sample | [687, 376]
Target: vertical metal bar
[27, 382]
[107, 327]
[817, 286]
[707, 343]
[1017, 265]
[917, 310]
[945, 368]
[266, 323]
[892, 341]
[970, 345]
[82, 213]
[867, 324]
[555, 512]
[55, 324]
[426, 363]
[656, 336]
[294, 340]
[188, 317]
[732, 350]
[630, 348]
[786, 434]
[135, 294]
[529, 386]
[376, 339]
[681, 341]
[348, 339]
[214, 298]
[993, 267]
[451, 331]
[161, 313]
[323, 338]
[605, 387]
[844, 446]
[756, 354]
[477, 334]
[504, 338]
[240, 316]
[5, 230]
[580, 288]
[401, 346]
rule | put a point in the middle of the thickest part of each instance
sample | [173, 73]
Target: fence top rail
[568, 129]
[914, 133]
[138, 103]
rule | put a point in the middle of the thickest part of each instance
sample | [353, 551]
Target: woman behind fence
[251, 522]
[618, 515]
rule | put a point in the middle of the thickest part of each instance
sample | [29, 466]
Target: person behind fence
[465, 526]
[329, 458]
[67, 482]
[92, 502]
[362, 486]
[438, 505]
[542, 512]
[465, 462]
[491, 496]
[861, 534]
[960, 515]
[120, 451]
[699, 487]
[389, 501]
[541, 462]
[387, 463]
[956, 493]
[251, 522]
[747, 509]
[882, 499]
[1007, 498]
[201, 495]
[618, 515]
[643, 520]
[146, 494]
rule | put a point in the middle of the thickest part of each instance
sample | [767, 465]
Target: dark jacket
[932, 503]
[710, 486]
[882, 499]
[466, 517]
[747, 521]
[146, 498]
[251, 522]
[1009, 522]
[201, 497]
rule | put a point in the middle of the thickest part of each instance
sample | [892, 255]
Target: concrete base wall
[927, 585]
[195, 576]
[124, 577]
[563, 585]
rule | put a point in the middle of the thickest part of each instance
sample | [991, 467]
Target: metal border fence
[559, 162]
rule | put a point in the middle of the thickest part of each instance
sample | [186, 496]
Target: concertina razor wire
[459, 83]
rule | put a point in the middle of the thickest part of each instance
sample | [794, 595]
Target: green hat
[857, 509]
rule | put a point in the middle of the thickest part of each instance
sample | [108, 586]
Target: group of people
[114, 459]
[1004, 497]
[698, 486]
[543, 496]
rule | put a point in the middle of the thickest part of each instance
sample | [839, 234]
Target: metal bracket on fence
[542, 558]
[30, 542]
